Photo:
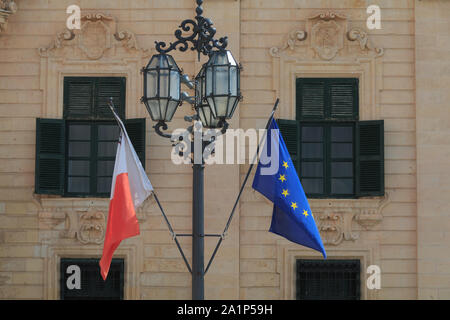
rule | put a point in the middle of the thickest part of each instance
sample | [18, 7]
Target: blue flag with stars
[292, 217]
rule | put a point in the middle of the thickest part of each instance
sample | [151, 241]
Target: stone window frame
[54, 253]
[352, 55]
[288, 253]
[75, 227]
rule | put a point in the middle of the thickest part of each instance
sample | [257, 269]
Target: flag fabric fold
[130, 187]
[292, 217]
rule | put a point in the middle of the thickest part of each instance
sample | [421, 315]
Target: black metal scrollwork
[163, 125]
[202, 37]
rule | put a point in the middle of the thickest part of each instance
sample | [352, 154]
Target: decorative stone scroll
[97, 36]
[356, 34]
[293, 37]
[328, 44]
[327, 32]
[336, 218]
[83, 220]
[7, 7]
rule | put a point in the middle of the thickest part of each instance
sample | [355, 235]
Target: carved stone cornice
[7, 7]
[97, 36]
[328, 15]
[357, 34]
[336, 218]
[326, 32]
[293, 37]
[79, 219]
[58, 42]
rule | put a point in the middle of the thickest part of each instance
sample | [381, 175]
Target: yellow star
[282, 178]
[285, 165]
[294, 205]
[285, 193]
[305, 213]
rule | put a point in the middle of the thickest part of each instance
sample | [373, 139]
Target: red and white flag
[130, 187]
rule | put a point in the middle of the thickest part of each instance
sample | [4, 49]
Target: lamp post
[217, 94]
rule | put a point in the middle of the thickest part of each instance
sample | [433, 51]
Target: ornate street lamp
[217, 94]
[222, 84]
[203, 109]
[162, 87]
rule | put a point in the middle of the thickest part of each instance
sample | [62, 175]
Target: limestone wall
[432, 84]
[410, 248]
[266, 264]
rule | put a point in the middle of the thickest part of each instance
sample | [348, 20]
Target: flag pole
[242, 189]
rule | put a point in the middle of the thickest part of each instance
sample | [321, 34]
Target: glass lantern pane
[175, 85]
[209, 81]
[212, 105]
[233, 81]
[152, 84]
[171, 108]
[231, 106]
[221, 104]
[219, 58]
[172, 64]
[154, 62]
[221, 80]
[163, 63]
[154, 109]
[163, 108]
[164, 83]
[231, 60]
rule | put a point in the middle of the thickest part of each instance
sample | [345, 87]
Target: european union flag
[292, 217]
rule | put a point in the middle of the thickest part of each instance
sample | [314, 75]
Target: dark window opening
[328, 280]
[91, 284]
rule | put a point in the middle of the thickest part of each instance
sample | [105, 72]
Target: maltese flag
[130, 187]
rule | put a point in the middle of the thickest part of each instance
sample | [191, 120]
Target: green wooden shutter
[136, 131]
[78, 97]
[50, 156]
[343, 98]
[370, 158]
[327, 98]
[105, 89]
[311, 96]
[290, 131]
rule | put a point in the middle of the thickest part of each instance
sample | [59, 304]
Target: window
[91, 284]
[328, 280]
[335, 154]
[75, 155]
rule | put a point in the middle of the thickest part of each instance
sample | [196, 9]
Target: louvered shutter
[311, 94]
[136, 131]
[370, 158]
[106, 88]
[78, 97]
[92, 285]
[50, 156]
[290, 131]
[319, 98]
[343, 98]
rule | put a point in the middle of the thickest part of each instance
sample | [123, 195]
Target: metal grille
[328, 280]
[92, 285]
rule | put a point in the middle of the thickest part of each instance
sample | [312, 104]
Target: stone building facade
[403, 74]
